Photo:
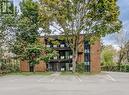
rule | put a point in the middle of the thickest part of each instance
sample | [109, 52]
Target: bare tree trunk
[119, 61]
[74, 61]
[119, 66]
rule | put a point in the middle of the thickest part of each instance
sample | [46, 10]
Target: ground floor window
[59, 66]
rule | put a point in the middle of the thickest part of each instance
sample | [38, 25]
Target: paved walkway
[107, 83]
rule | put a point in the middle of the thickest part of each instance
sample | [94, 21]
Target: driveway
[106, 83]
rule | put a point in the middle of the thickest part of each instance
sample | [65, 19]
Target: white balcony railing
[55, 57]
[54, 46]
[70, 56]
[48, 46]
[62, 45]
[62, 57]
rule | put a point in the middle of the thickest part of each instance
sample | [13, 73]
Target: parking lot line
[53, 79]
[54, 76]
[110, 78]
[77, 77]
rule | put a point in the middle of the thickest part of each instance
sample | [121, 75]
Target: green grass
[49, 73]
[31, 73]
[66, 73]
[79, 74]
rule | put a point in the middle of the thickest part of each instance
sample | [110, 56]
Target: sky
[124, 17]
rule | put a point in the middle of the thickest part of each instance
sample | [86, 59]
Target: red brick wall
[80, 58]
[95, 57]
[24, 66]
[41, 67]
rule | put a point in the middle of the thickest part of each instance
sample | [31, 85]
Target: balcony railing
[60, 60]
[58, 47]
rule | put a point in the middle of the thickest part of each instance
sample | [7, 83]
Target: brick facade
[24, 67]
[41, 67]
[94, 58]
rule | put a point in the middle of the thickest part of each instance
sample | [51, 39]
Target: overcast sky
[124, 17]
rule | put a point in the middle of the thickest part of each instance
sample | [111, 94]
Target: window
[87, 56]
[65, 54]
[62, 54]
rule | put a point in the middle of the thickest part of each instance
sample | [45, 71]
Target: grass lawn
[31, 73]
[50, 73]
[78, 74]
[70, 73]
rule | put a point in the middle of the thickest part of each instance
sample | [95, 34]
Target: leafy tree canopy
[92, 18]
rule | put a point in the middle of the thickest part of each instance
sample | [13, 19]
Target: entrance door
[31, 68]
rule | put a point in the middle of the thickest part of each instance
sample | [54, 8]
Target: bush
[80, 67]
[9, 66]
[123, 68]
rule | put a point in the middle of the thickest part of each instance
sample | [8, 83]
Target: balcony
[60, 61]
[61, 47]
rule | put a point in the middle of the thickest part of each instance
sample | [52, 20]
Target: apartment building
[87, 54]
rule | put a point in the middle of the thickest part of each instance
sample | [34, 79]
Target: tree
[27, 26]
[8, 15]
[37, 52]
[71, 18]
[26, 45]
[108, 55]
[122, 40]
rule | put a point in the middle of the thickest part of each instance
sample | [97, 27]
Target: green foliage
[49, 53]
[53, 41]
[108, 57]
[93, 18]
[108, 53]
[27, 23]
[123, 68]
[9, 66]
[29, 9]
[26, 46]
[97, 17]
[80, 68]
[34, 53]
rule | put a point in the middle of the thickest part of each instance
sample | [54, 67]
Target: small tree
[37, 52]
[108, 54]
[34, 53]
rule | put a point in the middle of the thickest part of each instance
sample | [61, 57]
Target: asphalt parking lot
[106, 83]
